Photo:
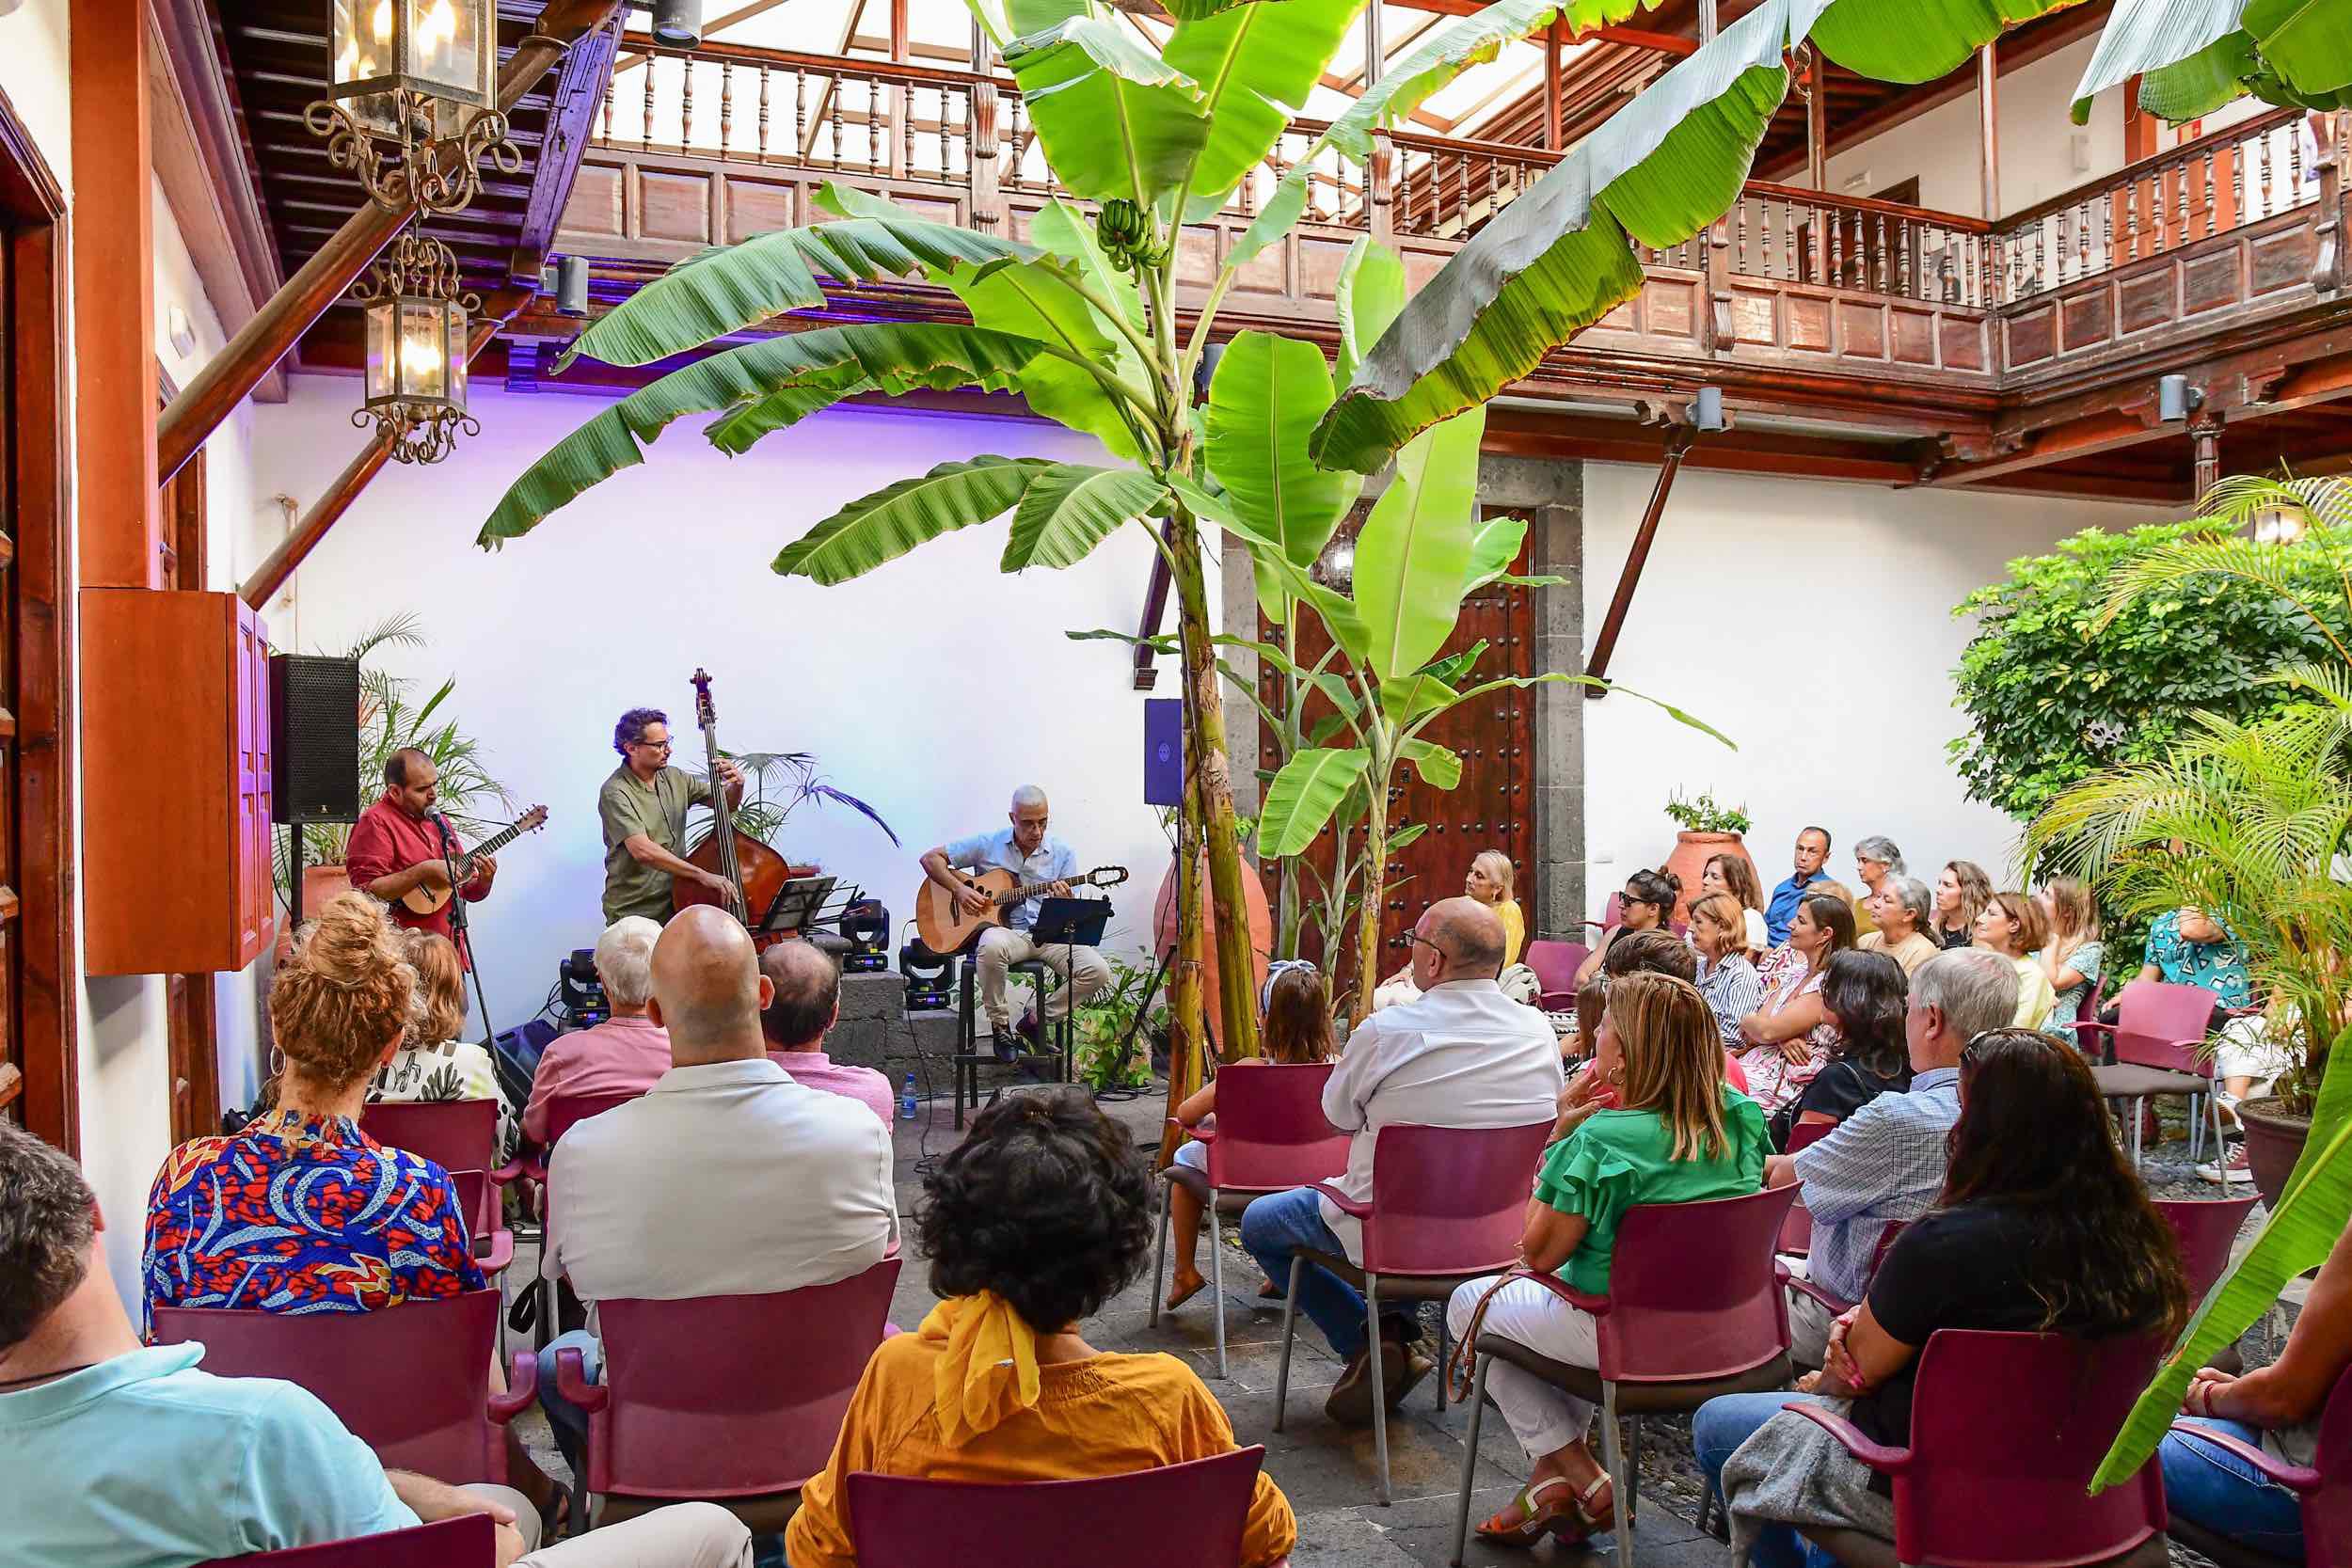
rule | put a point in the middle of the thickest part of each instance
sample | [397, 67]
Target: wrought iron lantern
[412, 101]
[416, 329]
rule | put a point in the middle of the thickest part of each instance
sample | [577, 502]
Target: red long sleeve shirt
[387, 839]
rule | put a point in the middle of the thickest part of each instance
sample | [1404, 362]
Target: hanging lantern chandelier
[416, 327]
[412, 102]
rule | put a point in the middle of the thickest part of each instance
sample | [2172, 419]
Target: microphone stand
[457, 924]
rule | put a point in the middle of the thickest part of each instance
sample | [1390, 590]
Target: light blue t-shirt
[144, 1462]
[1051, 862]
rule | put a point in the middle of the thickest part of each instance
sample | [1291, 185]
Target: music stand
[795, 905]
[1068, 924]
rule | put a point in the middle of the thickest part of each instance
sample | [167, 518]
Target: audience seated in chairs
[1884, 1163]
[808, 1004]
[1725, 975]
[2041, 1225]
[1040, 1216]
[1734, 874]
[432, 1063]
[2013, 926]
[1863, 998]
[1901, 908]
[2276, 1408]
[1296, 1030]
[1780, 911]
[1678, 1134]
[118, 1456]
[726, 1177]
[1662, 953]
[2073, 952]
[1875, 859]
[1489, 882]
[1648, 905]
[2188, 947]
[626, 1053]
[1961, 892]
[1460, 1056]
[1788, 1037]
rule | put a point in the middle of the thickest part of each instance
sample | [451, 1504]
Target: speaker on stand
[315, 750]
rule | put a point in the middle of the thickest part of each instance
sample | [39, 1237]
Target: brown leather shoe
[1350, 1400]
[1397, 1385]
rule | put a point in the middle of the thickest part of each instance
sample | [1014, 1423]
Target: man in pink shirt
[621, 1056]
[807, 1001]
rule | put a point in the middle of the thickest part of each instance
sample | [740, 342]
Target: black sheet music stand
[1064, 923]
[804, 902]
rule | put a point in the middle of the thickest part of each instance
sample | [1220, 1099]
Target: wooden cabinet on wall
[176, 783]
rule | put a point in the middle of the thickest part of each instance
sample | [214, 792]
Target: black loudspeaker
[315, 738]
[1162, 751]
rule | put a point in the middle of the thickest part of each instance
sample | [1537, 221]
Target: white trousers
[1083, 968]
[682, 1535]
[1543, 1418]
[1808, 1322]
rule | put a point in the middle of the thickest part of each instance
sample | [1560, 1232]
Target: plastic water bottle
[906, 1100]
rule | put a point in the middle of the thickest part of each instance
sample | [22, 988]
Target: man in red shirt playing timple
[396, 846]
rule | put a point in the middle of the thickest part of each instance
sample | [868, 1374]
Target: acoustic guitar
[421, 899]
[946, 928]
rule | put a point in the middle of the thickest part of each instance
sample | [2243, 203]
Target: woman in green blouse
[1681, 1135]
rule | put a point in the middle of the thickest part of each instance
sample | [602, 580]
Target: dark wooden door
[1493, 806]
[11, 962]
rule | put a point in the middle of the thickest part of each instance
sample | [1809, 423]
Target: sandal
[1271, 1291]
[1182, 1296]
[1589, 1521]
[1541, 1519]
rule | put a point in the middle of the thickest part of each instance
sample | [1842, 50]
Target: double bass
[756, 872]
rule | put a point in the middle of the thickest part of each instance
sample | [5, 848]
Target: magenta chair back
[473, 1201]
[2003, 1482]
[1555, 964]
[1613, 912]
[412, 1381]
[1691, 1291]
[1796, 1231]
[567, 1111]
[2206, 1228]
[2161, 1025]
[1188, 1515]
[467, 1541]
[728, 1396]
[1450, 1199]
[454, 1135]
[1270, 1131]
[2328, 1508]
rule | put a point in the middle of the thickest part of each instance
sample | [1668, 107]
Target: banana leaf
[1073, 507]
[1438, 768]
[1369, 297]
[2194, 55]
[1909, 41]
[1336, 610]
[1255, 64]
[1115, 121]
[1036, 300]
[753, 382]
[1493, 547]
[890, 521]
[1413, 557]
[1300, 801]
[730, 287]
[1268, 394]
[2310, 1216]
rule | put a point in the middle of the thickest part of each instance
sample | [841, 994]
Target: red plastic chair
[2324, 1486]
[1269, 1137]
[2004, 1482]
[454, 1135]
[1796, 1231]
[1188, 1515]
[1814, 1288]
[564, 1111]
[1555, 964]
[1693, 1311]
[493, 1244]
[1448, 1204]
[2152, 1050]
[412, 1381]
[2206, 1228]
[465, 1542]
[733, 1400]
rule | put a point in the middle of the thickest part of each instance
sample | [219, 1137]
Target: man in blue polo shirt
[1035, 858]
[1781, 913]
[118, 1456]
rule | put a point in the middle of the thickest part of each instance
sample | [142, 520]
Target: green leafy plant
[777, 784]
[1699, 814]
[1102, 1028]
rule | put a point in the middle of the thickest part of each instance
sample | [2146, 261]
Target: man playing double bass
[644, 808]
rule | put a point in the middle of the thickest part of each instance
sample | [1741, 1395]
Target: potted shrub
[1707, 829]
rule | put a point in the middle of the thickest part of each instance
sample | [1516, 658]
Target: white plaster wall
[33, 72]
[1809, 622]
[930, 687]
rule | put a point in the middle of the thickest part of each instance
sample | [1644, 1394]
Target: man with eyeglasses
[643, 807]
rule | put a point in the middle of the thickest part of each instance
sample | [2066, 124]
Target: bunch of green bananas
[1124, 231]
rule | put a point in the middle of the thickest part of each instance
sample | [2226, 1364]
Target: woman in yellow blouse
[1489, 882]
[2013, 925]
[1038, 1219]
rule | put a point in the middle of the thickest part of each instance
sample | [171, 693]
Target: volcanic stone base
[877, 1031]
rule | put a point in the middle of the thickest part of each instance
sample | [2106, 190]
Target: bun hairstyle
[1658, 889]
[346, 995]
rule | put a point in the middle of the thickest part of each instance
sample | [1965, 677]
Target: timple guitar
[946, 928]
[421, 899]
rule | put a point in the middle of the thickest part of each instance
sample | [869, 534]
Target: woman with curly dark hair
[1031, 1224]
[2042, 1227]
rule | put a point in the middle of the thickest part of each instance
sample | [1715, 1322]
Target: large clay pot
[1689, 863]
[2274, 1141]
[1261, 933]
[319, 883]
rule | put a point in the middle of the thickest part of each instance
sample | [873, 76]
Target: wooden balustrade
[1880, 247]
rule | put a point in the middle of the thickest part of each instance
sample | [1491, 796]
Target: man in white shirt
[726, 1177]
[1460, 1054]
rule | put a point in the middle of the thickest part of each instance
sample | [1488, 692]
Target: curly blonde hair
[346, 995]
[439, 1013]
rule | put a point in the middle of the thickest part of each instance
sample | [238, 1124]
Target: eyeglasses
[1433, 945]
[652, 745]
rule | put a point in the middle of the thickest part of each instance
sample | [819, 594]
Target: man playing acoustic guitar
[1032, 856]
[396, 846]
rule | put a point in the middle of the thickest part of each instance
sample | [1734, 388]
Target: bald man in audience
[806, 1005]
[726, 1177]
[1459, 1054]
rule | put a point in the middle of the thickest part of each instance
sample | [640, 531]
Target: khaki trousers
[1083, 968]
[682, 1535]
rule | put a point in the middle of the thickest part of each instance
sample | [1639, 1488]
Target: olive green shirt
[627, 808]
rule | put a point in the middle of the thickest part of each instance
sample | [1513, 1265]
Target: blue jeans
[1280, 1224]
[568, 1420]
[1721, 1425]
[2228, 1495]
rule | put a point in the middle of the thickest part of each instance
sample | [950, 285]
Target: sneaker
[1002, 1041]
[2229, 1168]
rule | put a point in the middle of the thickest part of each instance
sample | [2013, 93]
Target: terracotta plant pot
[2274, 1141]
[1260, 932]
[319, 884]
[1689, 861]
